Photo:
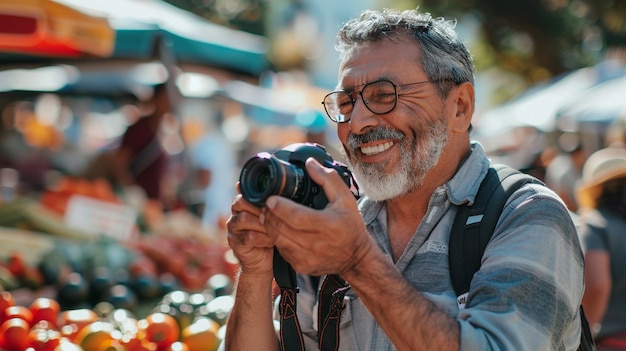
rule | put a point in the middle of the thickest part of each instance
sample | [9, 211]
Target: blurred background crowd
[192, 88]
[134, 116]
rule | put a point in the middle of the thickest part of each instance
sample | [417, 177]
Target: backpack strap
[474, 225]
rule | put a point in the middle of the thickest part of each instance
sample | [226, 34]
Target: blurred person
[403, 111]
[602, 197]
[565, 170]
[21, 150]
[215, 164]
[139, 163]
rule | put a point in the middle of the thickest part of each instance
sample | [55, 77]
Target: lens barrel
[265, 175]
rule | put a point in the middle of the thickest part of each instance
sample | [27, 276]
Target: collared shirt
[525, 296]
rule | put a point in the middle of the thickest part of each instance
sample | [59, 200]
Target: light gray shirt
[526, 295]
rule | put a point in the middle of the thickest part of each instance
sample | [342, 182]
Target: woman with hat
[602, 197]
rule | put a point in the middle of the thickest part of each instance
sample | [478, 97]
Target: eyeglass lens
[379, 97]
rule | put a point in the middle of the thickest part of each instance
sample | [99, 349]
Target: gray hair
[443, 55]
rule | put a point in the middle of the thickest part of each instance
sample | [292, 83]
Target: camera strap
[290, 332]
[331, 295]
[330, 306]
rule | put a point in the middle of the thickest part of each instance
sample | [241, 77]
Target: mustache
[381, 133]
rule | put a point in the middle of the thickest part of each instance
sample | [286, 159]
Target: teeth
[370, 150]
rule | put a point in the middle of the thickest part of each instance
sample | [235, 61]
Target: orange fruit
[201, 335]
[72, 321]
[159, 328]
[96, 334]
[111, 345]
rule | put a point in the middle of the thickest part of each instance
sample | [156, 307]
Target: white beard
[415, 161]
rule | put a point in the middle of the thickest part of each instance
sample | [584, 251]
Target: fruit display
[44, 326]
[166, 287]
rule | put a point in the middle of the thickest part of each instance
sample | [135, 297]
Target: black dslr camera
[283, 173]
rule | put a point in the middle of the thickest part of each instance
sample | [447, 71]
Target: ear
[463, 103]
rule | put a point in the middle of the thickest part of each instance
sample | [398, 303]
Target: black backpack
[474, 225]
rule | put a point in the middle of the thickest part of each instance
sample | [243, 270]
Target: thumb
[328, 178]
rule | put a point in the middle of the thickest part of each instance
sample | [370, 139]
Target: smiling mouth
[372, 150]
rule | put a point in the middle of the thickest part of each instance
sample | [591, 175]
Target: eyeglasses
[380, 97]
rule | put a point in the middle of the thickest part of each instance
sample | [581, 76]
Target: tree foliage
[536, 39]
[542, 38]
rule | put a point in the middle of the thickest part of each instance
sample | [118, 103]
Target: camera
[284, 173]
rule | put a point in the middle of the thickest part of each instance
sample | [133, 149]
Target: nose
[361, 118]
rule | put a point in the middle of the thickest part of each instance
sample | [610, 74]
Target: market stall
[49, 28]
[75, 242]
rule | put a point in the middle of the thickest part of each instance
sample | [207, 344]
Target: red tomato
[43, 339]
[45, 309]
[159, 328]
[6, 300]
[17, 311]
[16, 264]
[14, 334]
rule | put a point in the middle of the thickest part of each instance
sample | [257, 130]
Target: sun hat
[602, 166]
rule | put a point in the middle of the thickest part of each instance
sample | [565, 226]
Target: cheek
[343, 130]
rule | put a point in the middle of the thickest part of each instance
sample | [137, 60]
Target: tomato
[17, 311]
[45, 309]
[43, 339]
[159, 328]
[16, 264]
[14, 334]
[6, 300]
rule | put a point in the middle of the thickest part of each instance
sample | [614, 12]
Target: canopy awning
[53, 29]
[601, 105]
[139, 23]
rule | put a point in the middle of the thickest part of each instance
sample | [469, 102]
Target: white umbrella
[600, 104]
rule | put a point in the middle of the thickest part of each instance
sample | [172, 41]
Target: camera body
[284, 173]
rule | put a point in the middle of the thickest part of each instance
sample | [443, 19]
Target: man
[403, 109]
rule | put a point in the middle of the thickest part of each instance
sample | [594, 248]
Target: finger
[283, 215]
[243, 221]
[328, 178]
[242, 205]
[249, 239]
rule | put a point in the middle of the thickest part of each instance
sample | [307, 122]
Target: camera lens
[264, 181]
[265, 175]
